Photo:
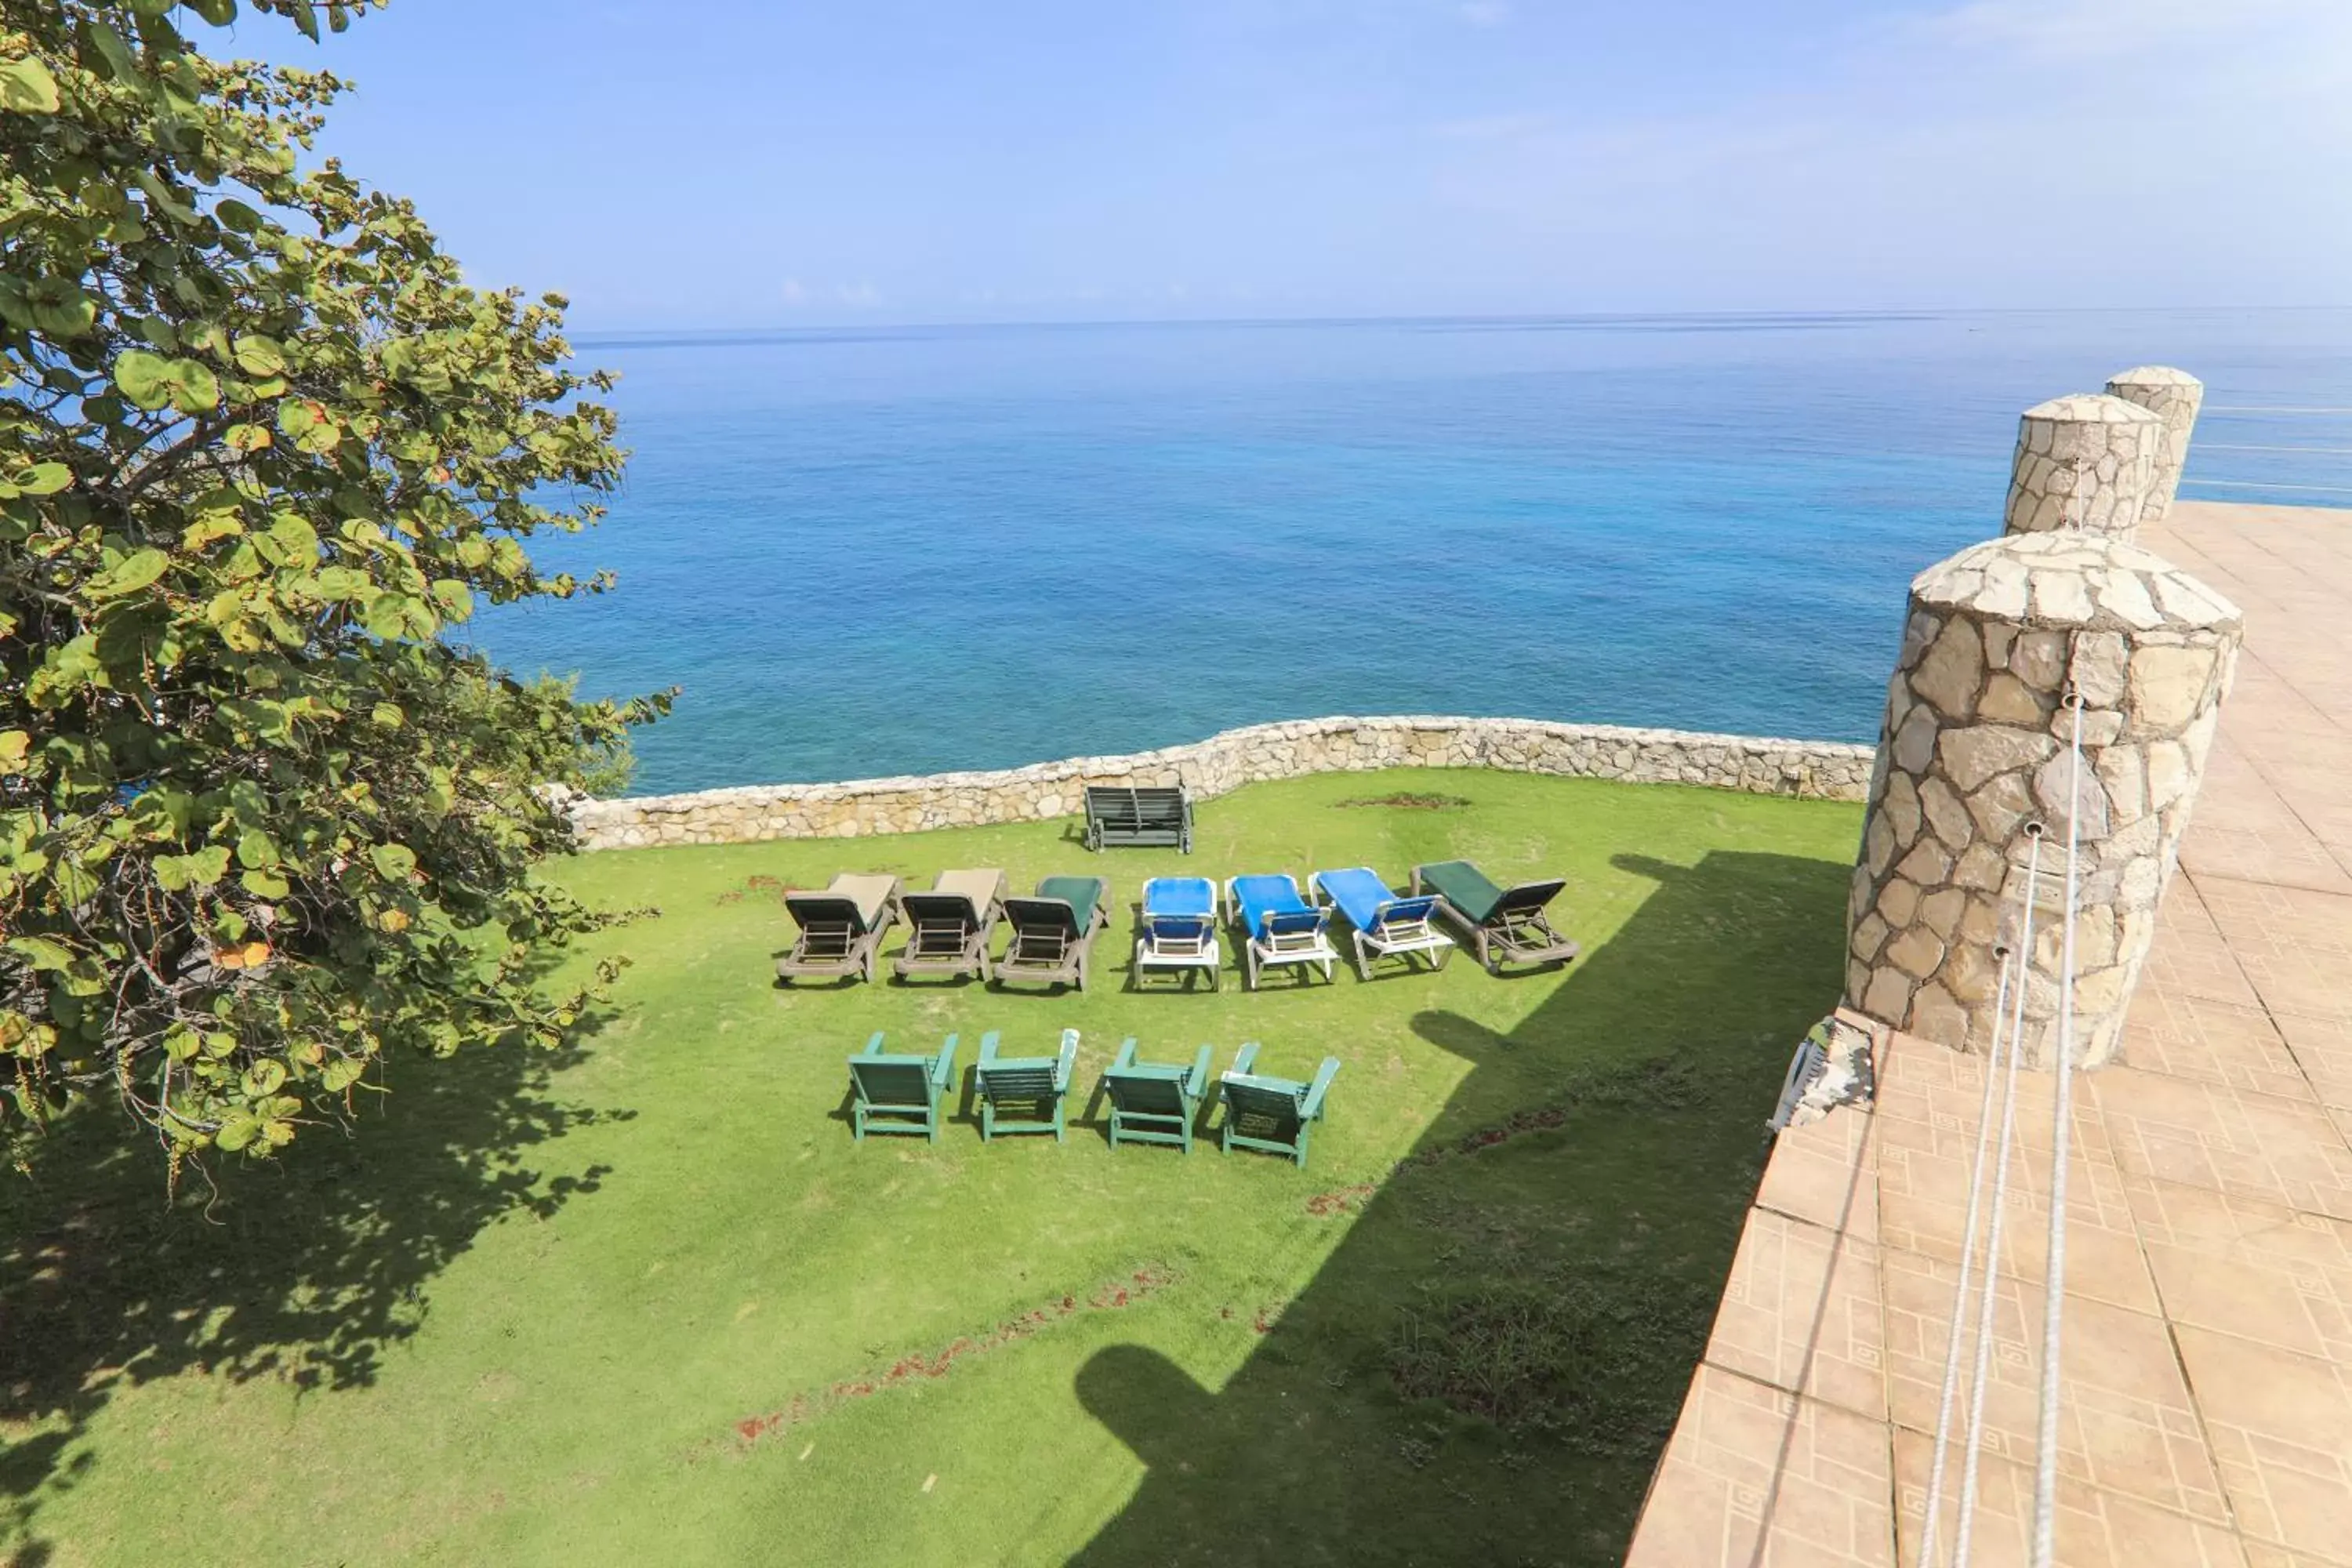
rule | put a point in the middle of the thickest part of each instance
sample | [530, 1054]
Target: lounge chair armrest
[1199, 1079]
[943, 1071]
[1245, 1058]
[1311, 1106]
[1126, 1057]
[874, 1044]
[1068, 1060]
[988, 1047]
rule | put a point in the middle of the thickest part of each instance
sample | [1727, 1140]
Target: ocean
[865, 552]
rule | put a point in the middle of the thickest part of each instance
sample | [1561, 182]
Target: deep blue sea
[882, 552]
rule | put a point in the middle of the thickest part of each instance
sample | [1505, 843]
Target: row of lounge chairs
[1275, 923]
[1151, 1102]
[952, 922]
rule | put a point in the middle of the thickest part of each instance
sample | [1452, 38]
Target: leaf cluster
[263, 816]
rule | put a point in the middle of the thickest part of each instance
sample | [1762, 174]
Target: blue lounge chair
[1155, 1102]
[1032, 1086]
[1386, 923]
[1178, 928]
[1277, 925]
[898, 1093]
[1274, 1115]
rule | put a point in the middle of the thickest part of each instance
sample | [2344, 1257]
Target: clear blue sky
[758, 163]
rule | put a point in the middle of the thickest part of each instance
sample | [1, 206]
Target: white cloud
[860, 296]
[793, 291]
[1484, 13]
[2064, 31]
[2078, 151]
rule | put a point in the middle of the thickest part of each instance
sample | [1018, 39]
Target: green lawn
[646, 1301]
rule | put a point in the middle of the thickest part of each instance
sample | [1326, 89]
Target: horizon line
[1889, 313]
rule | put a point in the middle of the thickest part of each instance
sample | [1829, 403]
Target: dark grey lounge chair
[952, 922]
[841, 928]
[1505, 925]
[1150, 817]
[1054, 931]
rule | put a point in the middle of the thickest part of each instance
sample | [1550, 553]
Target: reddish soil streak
[1109, 1297]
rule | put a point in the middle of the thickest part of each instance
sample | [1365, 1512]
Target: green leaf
[41, 952]
[208, 865]
[341, 1073]
[145, 378]
[259, 356]
[264, 884]
[74, 883]
[41, 479]
[27, 87]
[128, 575]
[264, 1078]
[255, 849]
[393, 862]
[14, 746]
[219, 13]
[238, 1130]
[194, 389]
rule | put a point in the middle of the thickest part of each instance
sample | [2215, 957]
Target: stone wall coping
[2153, 376]
[2093, 408]
[2077, 579]
[1225, 762]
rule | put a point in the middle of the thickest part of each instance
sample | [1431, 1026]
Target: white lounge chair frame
[1393, 939]
[1178, 953]
[1260, 954]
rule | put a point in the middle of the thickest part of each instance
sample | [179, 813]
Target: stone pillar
[2083, 460]
[1974, 751]
[2173, 396]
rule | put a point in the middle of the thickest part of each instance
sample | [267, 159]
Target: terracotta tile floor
[2207, 1419]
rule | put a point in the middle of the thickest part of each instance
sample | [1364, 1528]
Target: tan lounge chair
[953, 923]
[841, 928]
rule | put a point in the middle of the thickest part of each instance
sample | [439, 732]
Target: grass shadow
[306, 1269]
[1488, 1366]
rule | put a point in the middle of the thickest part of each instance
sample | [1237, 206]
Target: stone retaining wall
[1815, 769]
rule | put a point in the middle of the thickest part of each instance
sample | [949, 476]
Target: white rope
[1959, 1316]
[2053, 1273]
[1999, 1205]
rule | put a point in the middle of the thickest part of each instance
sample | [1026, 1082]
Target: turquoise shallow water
[899, 551]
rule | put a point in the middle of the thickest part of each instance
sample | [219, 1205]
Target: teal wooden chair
[1032, 1086]
[1272, 1114]
[1155, 1102]
[898, 1093]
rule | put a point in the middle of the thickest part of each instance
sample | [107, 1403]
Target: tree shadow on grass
[305, 1269]
[1488, 1365]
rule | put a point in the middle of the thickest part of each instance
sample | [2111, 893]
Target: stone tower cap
[2153, 376]
[2072, 580]
[2092, 408]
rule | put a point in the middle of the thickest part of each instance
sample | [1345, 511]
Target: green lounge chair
[898, 1094]
[1505, 925]
[1273, 1114]
[1033, 1084]
[1053, 931]
[841, 928]
[1155, 1102]
[953, 921]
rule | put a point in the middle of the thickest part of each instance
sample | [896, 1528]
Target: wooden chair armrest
[1311, 1106]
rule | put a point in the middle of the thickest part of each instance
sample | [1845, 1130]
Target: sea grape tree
[263, 817]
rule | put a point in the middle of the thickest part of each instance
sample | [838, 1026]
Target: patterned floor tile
[1757, 1477]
